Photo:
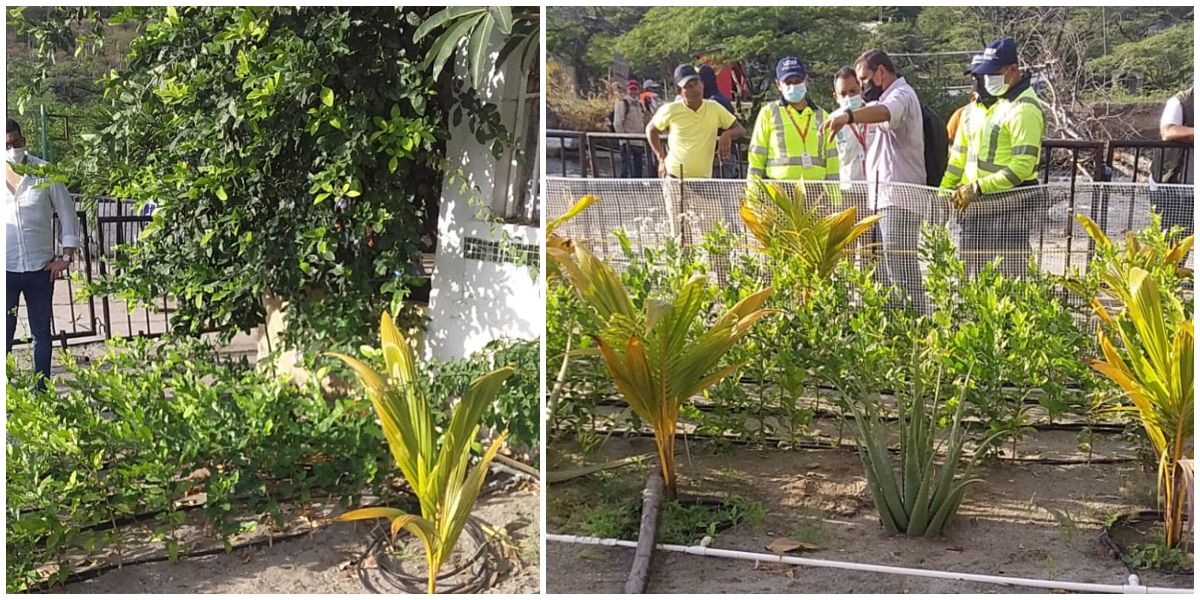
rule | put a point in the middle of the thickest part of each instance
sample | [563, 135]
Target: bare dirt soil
[1024, 520]
[326, 561]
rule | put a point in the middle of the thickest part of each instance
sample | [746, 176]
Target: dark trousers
[38, 289]
[631, 161]
[1002, 225]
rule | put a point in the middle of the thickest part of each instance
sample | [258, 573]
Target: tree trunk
[647, 534]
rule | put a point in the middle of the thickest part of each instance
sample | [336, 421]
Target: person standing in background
[652, 100]
[31, 264]
[1176, 165]
[852, 140]
[629, 117]
[852, 143]
[997, 149]
[729, 167]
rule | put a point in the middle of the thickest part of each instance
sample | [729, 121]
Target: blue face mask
[852, 103]
[794, 93]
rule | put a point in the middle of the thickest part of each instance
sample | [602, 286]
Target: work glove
[964, 195]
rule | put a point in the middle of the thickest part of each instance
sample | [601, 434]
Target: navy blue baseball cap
[996, 56]
[685, 73]
[788, 66]
[975, 60]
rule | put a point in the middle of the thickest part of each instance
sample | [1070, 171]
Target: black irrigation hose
[508, 466]
[614, 402]
[492, 487]
[149, 515]
[480, 563]
[1105, 536]
[102, 569]
[849, 446]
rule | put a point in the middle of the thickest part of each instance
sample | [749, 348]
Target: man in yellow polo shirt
[692, 126]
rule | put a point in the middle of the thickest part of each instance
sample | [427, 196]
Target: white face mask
[16, 154]
[994, 84]
[795, 92]
[852, 103]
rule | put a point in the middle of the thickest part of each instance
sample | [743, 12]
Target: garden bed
[1024, 520]
[325, 558]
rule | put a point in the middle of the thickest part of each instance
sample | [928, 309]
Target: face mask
[872, 91]
[994, 84]
[16, 154]
[794, 93]
[852, 103]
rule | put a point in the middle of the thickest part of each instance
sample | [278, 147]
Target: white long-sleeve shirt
[29, 222]
[852, 142]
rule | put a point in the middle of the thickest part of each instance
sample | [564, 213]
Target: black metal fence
[76, 320]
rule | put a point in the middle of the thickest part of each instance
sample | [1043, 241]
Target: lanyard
[861, 137]
[862, 142]
[803, 133]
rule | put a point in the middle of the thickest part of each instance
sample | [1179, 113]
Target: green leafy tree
[825, 38]
[288, 152]
[585, 37]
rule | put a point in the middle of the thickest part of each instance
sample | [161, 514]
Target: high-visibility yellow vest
[998, 146]
[777, 147]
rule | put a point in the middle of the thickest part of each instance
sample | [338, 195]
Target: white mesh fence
[1029, 222]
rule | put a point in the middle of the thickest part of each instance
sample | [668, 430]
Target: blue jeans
[729, 167]
[901, 231]
[38, 289]
[631, 161]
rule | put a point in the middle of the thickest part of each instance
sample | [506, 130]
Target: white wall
[476, 301]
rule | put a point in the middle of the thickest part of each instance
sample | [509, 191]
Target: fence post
[43, 139]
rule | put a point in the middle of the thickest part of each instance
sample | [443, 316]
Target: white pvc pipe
[1132, 587]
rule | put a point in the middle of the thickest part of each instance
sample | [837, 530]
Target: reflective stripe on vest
[983, 128]
[779, 136]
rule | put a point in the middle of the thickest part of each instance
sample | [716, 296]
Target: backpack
[937, 146]
[608, 121]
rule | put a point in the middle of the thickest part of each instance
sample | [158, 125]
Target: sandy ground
[324, 562]
[1026, 520]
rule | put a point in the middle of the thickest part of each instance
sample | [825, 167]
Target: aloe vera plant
[915, 499]
[1153, 365]
[661, 356]
[436, 471]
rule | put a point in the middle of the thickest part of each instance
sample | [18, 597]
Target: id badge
[806, 160]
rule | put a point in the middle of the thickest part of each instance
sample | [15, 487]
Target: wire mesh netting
[1028, 223]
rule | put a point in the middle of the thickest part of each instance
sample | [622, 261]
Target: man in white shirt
[895, 155]
[31, 264]
[852, 140]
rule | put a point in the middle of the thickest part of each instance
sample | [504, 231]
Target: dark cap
[975, 60]
[684, 74]
[12, 127]
[789, 66]
[996, 56]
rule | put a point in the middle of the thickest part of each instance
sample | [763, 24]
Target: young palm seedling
[1153, 366]
[785, 225]
[915, 499]
[436, 471]
[663, 355]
